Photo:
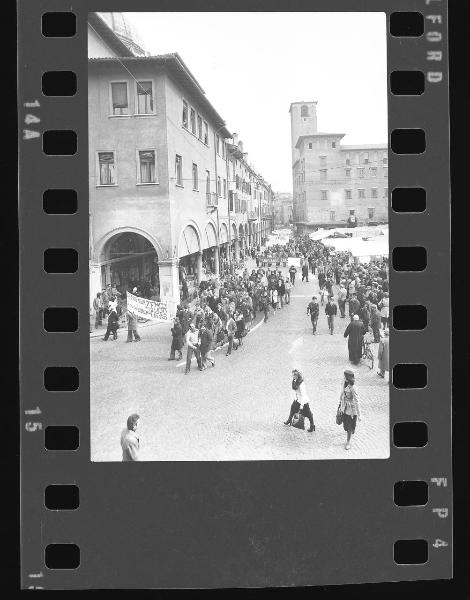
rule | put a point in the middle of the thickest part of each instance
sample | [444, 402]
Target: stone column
[169, 283]
[216, 261]
[199, 266]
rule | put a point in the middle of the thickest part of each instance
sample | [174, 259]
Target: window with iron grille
[147, 166]
[144, 97]
[119, 98]
[106, 168]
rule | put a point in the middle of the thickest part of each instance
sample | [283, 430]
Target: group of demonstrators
[223, 313]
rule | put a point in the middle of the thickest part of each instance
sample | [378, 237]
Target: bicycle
[367, 355]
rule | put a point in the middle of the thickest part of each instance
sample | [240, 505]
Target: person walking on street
[192, 341]
[205, 345]
[292, 272]
[231, 329]
[132, 327]
[130, 444]
[274, 300]
[349, 406]
[176, 340]
[382, 355]
[264, 303]
[354, 304]
[305, 271]
[375, 321]
[98, 308]
[288, 287]
[313, 309]
[384, 310]
[331, 310]
[342, 300]
[113, 323]
[355, 333]
[301, 402]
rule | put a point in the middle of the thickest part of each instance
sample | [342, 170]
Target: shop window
[147, 166]
[107, 174]
[144, 97]
[119, 98]
[179, 170]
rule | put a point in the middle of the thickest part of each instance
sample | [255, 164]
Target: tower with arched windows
[303, 120]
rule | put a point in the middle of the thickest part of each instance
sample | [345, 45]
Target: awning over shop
[189, 242]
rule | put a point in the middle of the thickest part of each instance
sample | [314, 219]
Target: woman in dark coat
[177, 340]
[113, 323]
[355, 333]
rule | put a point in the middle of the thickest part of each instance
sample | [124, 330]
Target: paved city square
[236, 410]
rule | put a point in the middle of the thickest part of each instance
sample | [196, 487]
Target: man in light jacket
[192, 341]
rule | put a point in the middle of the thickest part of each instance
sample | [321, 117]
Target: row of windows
[361, 193]
[193, 122]
[144, 103]
[372, 171]
[321, 144]
[145, 162]
[370, 213]
[364, 158]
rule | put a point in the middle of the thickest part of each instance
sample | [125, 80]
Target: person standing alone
[130, 443]
[350, 407]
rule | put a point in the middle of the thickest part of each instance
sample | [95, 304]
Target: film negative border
[54, 279]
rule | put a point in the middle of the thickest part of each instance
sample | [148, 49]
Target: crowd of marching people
[223, 313]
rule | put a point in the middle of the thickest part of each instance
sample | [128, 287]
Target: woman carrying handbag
[349, 410]
[300, 406]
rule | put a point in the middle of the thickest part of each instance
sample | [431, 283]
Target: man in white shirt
[192, 341]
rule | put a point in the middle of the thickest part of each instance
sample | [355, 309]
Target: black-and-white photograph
[238, 236]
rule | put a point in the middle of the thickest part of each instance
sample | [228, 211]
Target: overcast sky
[253, 65]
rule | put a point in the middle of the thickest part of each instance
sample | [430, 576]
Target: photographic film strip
[236, 520]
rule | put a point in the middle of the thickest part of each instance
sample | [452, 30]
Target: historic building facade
[334, 185]
[171, 192]
[282, 209]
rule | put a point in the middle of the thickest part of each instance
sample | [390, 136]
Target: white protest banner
[147, 309]
[293, 260]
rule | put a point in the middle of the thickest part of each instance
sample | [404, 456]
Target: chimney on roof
[235, 139]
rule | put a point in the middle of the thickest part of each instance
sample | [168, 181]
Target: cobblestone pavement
[236, 410]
